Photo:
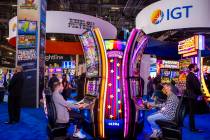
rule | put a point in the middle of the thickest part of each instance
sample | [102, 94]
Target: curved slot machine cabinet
[114, 120]
[132, 83]
[95, 83]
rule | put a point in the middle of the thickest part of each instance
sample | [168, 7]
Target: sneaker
[154, 134]
[79, 135]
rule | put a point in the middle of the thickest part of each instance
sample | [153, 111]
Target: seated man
[63, 107]
[167, 110]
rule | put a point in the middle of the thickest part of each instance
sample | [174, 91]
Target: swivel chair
[172, 130]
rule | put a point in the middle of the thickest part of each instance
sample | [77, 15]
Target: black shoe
[196, 130]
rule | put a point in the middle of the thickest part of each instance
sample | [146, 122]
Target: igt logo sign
[158, 15]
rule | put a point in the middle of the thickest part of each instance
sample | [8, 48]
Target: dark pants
[1, 96]
[77, 117]
[14, 108]
[192, 112]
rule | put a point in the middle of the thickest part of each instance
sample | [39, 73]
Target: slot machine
[131, 80]
[114, 120]
[95, 83]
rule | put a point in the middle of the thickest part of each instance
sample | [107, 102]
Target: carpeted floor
[33, 126]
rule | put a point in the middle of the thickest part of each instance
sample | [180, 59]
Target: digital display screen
[51, 70]
[92, 87]
[26, 41]
[58, 70]
[91, 53]
[27, 27]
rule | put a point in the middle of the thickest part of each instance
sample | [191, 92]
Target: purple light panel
[125, 83]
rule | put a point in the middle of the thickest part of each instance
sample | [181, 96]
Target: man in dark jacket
[14, 98]
[194, 92]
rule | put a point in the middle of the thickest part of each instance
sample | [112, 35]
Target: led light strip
[125, 83]
[103, 87]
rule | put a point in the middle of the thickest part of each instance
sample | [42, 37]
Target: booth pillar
[30, 48]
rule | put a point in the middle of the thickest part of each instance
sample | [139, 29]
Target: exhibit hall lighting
[103, 88]
[52, 38]
[125, 85]
[200, 59]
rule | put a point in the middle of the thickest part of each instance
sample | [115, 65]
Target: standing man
[14, 99]
[194, 92]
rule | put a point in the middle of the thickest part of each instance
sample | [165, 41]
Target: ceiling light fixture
[52, 38]
[115, 8]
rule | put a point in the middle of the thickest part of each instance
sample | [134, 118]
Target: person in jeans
[167, 110]
[64, 108]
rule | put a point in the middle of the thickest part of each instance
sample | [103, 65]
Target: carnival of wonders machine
[114, 105]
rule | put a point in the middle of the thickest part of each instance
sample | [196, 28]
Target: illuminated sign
[28, 4]
[157, 16]
[184, 63]
[188, 47]
[111, 54]
[173, 14]
[169, 64]
[115, 45]
[113, 124]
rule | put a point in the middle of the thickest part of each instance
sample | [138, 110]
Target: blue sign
[179, 12]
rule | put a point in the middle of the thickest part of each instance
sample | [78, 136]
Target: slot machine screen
[91, 54]
[92, 87]
[165, 76]
[27, 27]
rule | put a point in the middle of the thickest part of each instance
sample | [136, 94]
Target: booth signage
[70, 23]
[174, 14]
[170, 64]
[30, 29]
[188, 47]
[118, 54]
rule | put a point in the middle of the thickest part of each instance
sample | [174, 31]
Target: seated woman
[63, 107]
[167, 110]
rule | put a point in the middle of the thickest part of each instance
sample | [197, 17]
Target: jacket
[193, 86]
[16, 84]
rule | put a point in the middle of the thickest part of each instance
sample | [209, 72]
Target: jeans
[152, 118]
